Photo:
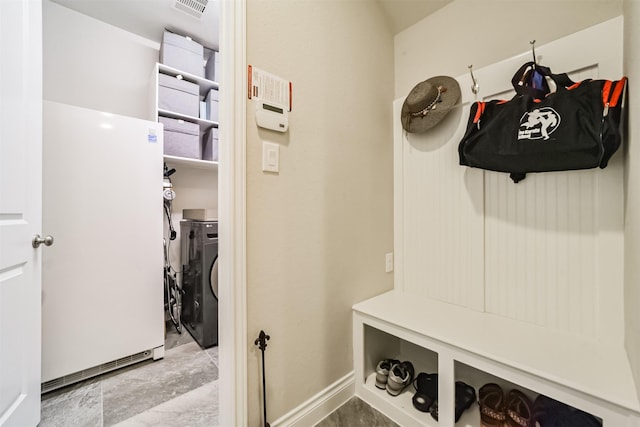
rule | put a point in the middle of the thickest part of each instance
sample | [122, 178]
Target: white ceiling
[147, 18]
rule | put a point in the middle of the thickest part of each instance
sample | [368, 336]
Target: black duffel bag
[579, 126]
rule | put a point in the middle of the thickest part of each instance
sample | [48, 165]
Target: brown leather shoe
[519, 410]
[492, 405]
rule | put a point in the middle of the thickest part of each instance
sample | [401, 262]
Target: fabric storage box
[178, 96]
[182, 53]
[210, 145]
[211, 101]
[212, 69]
[181, 138]
[200, 214]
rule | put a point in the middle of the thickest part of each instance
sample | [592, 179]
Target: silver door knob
[37, 241]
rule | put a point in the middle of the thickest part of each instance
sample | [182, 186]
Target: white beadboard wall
[443, 217]
[541, 246]
[543, 240]
[546, 251]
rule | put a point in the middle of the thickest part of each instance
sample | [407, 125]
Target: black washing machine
[199, 244]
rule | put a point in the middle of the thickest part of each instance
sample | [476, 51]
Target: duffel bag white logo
[538, 124]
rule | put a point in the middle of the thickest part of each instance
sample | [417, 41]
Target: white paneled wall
[546, 251]
[444, 215]
[541, 248]
[543, 240]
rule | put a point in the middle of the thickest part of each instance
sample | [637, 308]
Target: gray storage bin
[210, 145]
[181, 138]
[211, 101]
[212, 69]
[178, 96]
[182, 53]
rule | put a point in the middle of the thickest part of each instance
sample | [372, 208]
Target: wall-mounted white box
[270, 157]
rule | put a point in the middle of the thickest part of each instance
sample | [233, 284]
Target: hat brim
[449, 99]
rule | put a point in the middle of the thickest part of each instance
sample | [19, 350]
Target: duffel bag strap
[562, 80]
[530, 80]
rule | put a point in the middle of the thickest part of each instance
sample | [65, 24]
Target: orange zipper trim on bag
[479, 112]
[606, 89]
[575, 85]
[617, 91]
[610, 99]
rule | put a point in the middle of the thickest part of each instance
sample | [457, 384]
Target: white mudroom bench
[475, 347]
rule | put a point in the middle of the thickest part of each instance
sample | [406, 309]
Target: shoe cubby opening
[379, 346]
[525, 402]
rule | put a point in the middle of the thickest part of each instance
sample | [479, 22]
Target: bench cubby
[436, 337]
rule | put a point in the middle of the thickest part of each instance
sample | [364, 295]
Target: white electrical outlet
[388, 262]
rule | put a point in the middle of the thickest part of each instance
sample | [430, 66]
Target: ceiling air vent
[191, 7]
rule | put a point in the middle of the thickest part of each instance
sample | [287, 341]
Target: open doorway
[128, 104]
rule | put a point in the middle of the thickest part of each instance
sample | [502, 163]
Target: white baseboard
[318, 407]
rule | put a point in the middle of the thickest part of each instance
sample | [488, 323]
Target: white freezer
[102, 282]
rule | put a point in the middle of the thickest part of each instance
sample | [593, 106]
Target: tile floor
[356, 413]
[179, 390]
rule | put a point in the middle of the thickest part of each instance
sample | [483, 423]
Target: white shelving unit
[478, 348]
[196, 180]
[204, 124]
[191, 163]
[204, 87]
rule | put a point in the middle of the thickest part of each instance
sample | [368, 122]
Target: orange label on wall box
[269, 88]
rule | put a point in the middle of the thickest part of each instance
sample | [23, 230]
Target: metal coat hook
[533, 50]
[476, 87]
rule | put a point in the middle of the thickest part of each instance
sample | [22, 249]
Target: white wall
[632, 187]
[317, 233]
[95, 65]
[482, 32]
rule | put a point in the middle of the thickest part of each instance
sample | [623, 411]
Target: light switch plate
[270, 157]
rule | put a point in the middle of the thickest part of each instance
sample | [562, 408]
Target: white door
[20, 210]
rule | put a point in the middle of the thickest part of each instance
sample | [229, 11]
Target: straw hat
[428, 103]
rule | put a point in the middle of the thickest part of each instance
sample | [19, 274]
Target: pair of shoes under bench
[394, 375]
[382, 372]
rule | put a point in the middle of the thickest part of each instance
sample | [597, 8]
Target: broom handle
[261, 342]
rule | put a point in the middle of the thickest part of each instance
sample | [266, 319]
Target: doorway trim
[232, 216]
